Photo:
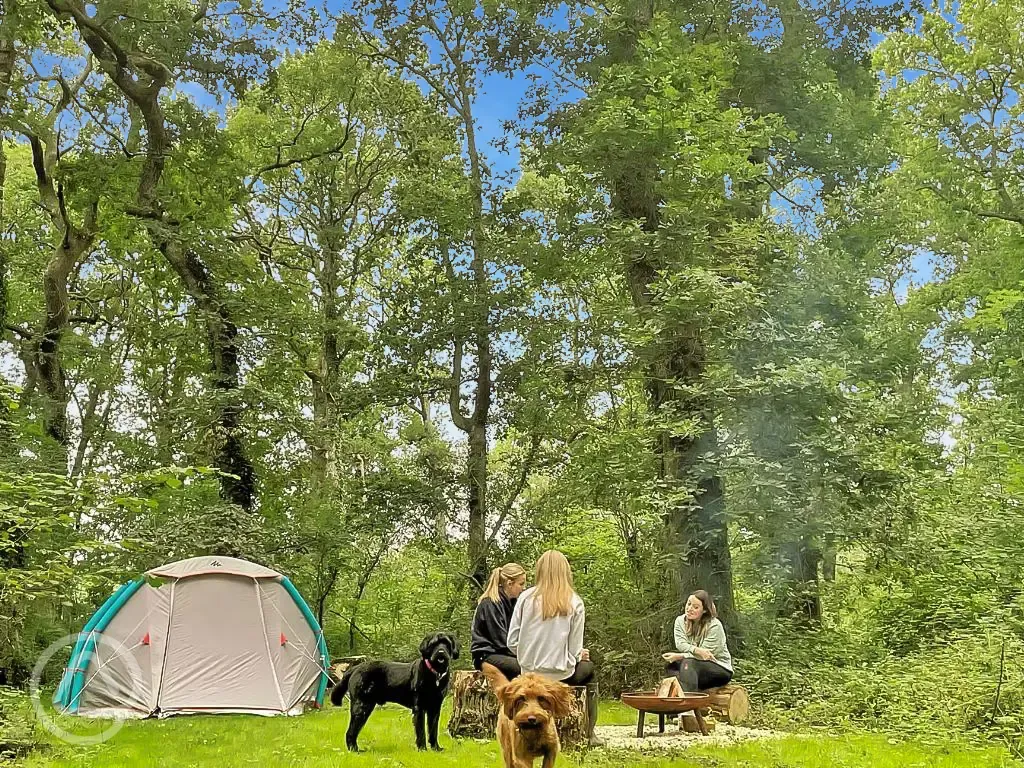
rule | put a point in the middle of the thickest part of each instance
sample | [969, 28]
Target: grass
[318, 739]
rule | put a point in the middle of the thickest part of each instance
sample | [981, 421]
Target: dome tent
[218, 634]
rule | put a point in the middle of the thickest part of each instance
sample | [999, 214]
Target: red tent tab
[284, 640]
[145, 640]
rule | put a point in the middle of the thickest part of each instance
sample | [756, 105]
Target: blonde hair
[554, 584]
[509, 572]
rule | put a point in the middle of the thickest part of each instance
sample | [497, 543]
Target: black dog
[421, 686]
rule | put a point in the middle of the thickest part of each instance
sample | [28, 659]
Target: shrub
[973, 685]
[18, 731]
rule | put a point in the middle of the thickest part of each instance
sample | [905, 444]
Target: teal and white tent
[218, 634]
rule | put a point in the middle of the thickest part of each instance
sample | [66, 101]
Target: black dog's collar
[439, 675]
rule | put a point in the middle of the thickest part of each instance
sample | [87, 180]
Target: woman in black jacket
[489, 643]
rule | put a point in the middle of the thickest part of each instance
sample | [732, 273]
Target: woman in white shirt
[546, 631]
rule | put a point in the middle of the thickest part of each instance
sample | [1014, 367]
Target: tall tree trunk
[475, 425]
[477, 469]
[238, 484]
[799, 598]
[475, 428]
[73, 242]
[43, 352]
[142, 79]
[456, 83]
[325, 379]
[696, 531]
[476, 473]
[49, 357]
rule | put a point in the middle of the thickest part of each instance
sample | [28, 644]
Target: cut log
[339, 665]
[688, 723]
[669, 687]
[730, 703]
[572, 730]
[474, 706]
[475, 711]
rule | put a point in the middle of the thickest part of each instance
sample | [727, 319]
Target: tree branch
[24, 333]
[1016, 218]
[460, 419]
[201, 11]
[524, 473]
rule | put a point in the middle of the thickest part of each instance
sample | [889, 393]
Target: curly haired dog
[529, 706]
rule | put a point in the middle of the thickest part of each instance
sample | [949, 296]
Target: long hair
[696, 630]
[554, 584]
[507, 573]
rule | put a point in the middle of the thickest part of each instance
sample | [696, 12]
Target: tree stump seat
[340, 663]
[475, 711]
[730, 703]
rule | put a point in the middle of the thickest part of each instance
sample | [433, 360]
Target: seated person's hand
[671, 657]
[703, 654]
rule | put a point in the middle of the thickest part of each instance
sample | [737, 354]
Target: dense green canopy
[736, 303]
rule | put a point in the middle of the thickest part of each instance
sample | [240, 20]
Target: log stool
[342, 663]
[475, 711]
[730, 703]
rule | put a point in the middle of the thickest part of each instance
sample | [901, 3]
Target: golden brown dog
[529, 706]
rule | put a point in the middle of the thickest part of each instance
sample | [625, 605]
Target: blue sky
[498, 102]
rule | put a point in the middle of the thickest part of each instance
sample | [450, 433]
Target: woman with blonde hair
[546, 632]
[489, 643]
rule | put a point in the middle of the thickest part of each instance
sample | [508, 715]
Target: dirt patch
[673, 740]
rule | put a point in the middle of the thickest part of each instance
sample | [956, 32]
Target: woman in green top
[703, 660]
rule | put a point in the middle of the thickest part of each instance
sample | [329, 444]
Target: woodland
[385, 293]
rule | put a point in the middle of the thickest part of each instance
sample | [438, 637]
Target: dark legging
[582, 675]
[699, 675]
[508, 665]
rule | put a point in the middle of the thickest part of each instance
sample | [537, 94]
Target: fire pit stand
[647, 702]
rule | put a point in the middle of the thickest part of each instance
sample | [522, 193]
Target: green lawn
[318, 739]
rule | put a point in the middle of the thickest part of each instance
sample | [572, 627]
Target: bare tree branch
[517, 489]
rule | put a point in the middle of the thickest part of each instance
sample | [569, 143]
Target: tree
[813, 92]
[72, 241]
[119, 45]
[956, 196]
[441, 45]
[668, 185]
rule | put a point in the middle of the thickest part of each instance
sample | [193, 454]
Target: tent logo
[216, 564]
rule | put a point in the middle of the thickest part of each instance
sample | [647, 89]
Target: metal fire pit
[647, 702]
